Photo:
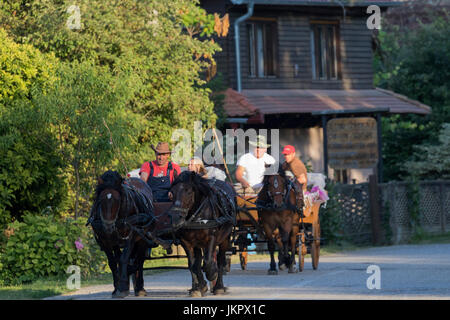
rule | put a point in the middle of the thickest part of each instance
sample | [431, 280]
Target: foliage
[84, 102]
[43, 245]
[414, 209]
[149, 38]
[434, 160]
[23, 68]
[416, 64]
[386, 223]
[217, 87]
[30, 167]
[331, 216]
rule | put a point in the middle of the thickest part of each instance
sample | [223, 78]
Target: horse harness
[221, 204]
[141, 220]
[269, 205]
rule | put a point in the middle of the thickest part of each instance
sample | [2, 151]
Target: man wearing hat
[251, 166]
[160, 173]
[296, 166]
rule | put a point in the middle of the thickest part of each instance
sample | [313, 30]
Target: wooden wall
[294, 48]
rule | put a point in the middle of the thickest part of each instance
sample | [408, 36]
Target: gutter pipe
[250, 6]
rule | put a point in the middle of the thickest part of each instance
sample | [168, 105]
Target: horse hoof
[220, 291]
[272, 272]
[204, 290]
[282, 267]
[141, 293]
[195, 294]
[121, 294]
[292, 269]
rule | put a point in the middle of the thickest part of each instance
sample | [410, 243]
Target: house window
[341, 175]
[262, 48]
[325, 50]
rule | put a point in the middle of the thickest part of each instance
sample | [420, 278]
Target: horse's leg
[271, 246]
[193, 292]
[283, 250]
[293, 243]
[139, 290]
[124, 282]
[219, 288]
[281, 257]
[202, 285]
[112, 263]
[210, 264]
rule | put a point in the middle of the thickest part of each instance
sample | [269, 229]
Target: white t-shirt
[254, 167]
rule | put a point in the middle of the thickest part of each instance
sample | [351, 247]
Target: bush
[30, 165]
[331, 217]
[43, 245]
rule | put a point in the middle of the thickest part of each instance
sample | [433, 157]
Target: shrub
[331, 217]
[43, 245]
[30, 164]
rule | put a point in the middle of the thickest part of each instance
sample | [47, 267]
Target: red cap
[288, 149]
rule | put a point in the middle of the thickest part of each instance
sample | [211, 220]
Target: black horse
[121, 218]
[279, 208]
[203, 215]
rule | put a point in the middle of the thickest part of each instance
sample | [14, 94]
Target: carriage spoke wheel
[315, 245]
[301, 251]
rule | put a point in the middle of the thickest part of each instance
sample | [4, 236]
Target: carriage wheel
[315, 245]
[301, 251]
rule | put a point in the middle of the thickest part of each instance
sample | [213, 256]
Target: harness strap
[169, 167]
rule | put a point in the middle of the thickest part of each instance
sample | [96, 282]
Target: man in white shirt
[251, 166]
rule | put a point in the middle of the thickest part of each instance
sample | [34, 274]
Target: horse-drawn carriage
[205, 214]
[249, 231]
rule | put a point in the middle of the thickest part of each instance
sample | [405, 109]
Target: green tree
[416, 64]
[434, 160]
[166, 44]
[87, 110]
[30, 166]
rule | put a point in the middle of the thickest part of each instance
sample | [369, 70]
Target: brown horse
[279, 208]
[203, 215]
[122, 212]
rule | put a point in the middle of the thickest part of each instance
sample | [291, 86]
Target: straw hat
[260, 142]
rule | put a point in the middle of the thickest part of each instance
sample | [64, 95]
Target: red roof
[237, 105]
[278, 101]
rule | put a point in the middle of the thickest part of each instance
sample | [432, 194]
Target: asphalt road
[405, 272]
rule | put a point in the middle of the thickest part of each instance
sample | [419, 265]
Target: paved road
[406, 272]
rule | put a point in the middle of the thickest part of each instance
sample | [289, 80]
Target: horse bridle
[108, 222]
[283, 193]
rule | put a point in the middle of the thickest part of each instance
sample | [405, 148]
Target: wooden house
[293, 65]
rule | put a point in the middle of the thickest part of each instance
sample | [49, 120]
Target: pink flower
[79, 245]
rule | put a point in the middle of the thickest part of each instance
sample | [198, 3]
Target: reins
[270, 205]
[210, 199]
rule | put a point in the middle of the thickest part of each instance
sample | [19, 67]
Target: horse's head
[108, 199]
[184, 193]
[276, 189]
